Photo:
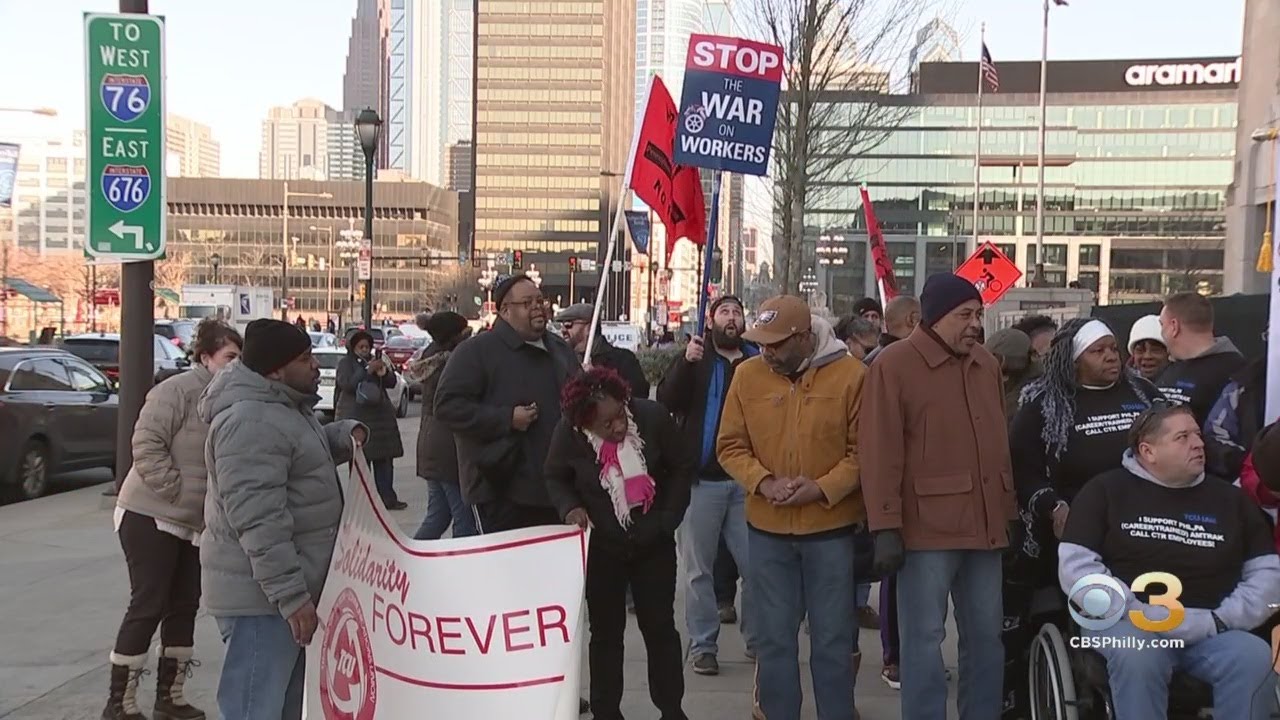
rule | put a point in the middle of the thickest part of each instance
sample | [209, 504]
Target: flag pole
[708, 249]
[1044, 72]
[611, 240]
[977, 152]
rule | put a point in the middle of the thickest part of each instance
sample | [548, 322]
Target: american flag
[988, 70]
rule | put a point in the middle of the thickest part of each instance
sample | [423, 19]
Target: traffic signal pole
[137, 308]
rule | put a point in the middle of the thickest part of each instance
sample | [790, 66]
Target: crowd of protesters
[807, 456]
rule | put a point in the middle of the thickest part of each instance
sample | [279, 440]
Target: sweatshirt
[1198, 381]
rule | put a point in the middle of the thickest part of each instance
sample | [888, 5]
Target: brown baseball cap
[778, 319]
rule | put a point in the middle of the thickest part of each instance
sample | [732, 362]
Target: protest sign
[480, 627]
[729, 105]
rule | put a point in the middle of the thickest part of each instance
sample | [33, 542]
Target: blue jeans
[790, 578]
[445, 507]
[264, 670]
[972, 578]
[1236, 663]
[716, 509]
[384, 476]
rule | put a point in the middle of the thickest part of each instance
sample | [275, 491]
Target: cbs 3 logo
[1101, 600]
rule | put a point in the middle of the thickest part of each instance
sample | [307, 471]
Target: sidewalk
[65, 589]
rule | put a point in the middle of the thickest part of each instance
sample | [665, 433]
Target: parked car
[380, 334]
[102, 350]
[329, 359]
[178, 332]
[400, 350]
[322, 339]
[58, 413]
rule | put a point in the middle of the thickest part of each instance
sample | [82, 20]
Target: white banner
[481, 627]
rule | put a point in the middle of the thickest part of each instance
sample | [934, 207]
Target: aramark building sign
[1185, 73]
[1089, 76]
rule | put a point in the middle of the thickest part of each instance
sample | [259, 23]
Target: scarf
[623, 473]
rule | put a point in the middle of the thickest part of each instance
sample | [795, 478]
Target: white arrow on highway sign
[119, 229]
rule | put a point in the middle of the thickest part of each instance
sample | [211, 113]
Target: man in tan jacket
[939, 491]
[788, 436]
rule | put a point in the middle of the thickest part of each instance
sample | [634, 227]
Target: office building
[345, 160]
[555, 90]
[242, 223]
[459, 157]
[937, 41]
[1139, 157]
[366, 82]
[459, 34]
[295, 141]
[1254, 185]
[190, 148]
[415, 107]
[47, 213]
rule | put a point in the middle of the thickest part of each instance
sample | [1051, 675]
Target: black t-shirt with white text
[1096, 442]
[1199, 381]
[1201, 534]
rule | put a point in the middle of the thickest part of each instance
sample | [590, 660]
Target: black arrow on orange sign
[988, 254]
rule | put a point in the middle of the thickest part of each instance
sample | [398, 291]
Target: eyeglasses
[537, 301]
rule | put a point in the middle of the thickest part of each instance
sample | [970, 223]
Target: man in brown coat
[939, 493]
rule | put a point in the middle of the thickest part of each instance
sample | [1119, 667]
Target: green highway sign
[125, 108]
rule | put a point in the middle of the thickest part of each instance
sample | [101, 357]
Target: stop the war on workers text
[729, 105]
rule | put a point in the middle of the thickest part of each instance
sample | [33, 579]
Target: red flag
[673, 191]
[879, 253]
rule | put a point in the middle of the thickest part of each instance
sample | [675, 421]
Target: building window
[1090, 256]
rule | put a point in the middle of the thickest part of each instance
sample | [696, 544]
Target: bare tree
[838, 56]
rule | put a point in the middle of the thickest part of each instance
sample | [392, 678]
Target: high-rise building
[415, 104]
[345, 156]
[555, 94]
[663, 28]
[459, 157]
[48, 207]
[936, 41]
[366, 82]
[191, 149]
[457, 71]
[1139, 157]
[295, 141]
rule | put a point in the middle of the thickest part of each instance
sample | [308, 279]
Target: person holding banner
[272, 511]
[618, 464]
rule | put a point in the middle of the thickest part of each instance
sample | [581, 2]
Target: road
[65, 589]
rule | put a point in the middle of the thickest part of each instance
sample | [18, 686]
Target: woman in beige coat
[159, 516]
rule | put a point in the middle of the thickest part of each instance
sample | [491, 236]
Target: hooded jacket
[1198, 381]
[274, 501]
[167, 479]
[1236, 419]
[792, 427]
[437, 453]
[688, 390]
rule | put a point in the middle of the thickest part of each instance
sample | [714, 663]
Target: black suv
[58, 413]
[102, 350]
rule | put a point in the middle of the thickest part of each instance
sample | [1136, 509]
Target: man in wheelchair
[1212, 550]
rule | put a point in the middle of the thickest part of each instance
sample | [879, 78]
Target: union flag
[673, 191]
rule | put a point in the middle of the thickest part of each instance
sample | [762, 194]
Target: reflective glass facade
[1135, 186]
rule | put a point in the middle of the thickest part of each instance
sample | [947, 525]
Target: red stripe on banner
[395, 536]
[480, 687]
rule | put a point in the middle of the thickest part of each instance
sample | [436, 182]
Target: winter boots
[122, 703]
[175, 667]
[127, 672]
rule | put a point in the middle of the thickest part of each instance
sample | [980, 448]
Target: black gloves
[889, 554]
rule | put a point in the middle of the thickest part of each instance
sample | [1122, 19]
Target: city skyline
[312, 64]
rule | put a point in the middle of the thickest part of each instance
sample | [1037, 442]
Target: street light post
[368, 127]
[328, 308]
[215, 263]
[284, 244]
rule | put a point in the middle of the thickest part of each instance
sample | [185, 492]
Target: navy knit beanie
[943, 293]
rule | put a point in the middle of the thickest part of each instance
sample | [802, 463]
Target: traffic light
[573, 264]
[517, 260]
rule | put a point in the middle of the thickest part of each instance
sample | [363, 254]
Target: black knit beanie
[943, 293]
[445, 325]
[271, 344]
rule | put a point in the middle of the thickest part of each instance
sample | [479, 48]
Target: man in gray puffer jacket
[271, 517]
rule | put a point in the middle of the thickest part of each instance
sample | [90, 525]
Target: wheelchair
[1072, 684]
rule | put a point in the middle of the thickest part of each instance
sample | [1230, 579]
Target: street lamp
[328, 308]
[368, 127]
[284, 244]
[215, 263]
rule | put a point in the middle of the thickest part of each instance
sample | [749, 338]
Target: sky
[230, 60]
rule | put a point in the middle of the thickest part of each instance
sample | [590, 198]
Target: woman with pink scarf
[618, 465]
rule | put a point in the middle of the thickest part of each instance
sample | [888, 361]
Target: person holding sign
[618, 464]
